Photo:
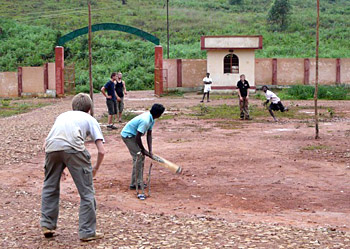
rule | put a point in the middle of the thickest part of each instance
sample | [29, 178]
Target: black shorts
[277, 107]
[111, 106]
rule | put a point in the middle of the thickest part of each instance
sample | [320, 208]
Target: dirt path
[249, 184]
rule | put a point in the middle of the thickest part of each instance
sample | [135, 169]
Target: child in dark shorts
[276, 104]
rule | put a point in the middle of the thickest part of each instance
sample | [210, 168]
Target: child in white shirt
[276, 104]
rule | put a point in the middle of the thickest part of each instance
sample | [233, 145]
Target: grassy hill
[30, 29]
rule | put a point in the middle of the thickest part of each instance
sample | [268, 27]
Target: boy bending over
[276, 104]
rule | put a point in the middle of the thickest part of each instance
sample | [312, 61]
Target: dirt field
[246, 184]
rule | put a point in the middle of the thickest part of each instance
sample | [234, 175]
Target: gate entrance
[59, 51]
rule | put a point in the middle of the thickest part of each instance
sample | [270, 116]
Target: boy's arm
[149, 142]
[104, 93]
[100, 156]
[124, 87]
[139, 143]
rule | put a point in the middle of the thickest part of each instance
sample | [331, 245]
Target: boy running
[276, 104]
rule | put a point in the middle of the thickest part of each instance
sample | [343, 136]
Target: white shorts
[207, 88]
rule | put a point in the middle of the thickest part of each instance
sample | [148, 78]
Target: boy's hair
[266, 87]
[242, 75]
[113, 74]
[81, 102]
[157, 110]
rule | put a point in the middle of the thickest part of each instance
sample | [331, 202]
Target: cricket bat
[167, 164]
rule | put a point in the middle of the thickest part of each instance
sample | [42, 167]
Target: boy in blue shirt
[131, 135]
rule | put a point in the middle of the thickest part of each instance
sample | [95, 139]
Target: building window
[231, 64]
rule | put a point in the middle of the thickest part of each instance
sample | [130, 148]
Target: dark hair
[113, 74]
[157, 110]
[265, 86]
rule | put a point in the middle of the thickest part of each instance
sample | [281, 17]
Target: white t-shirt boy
[272, 97]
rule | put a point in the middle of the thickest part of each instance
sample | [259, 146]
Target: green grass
[126, 117]
[10, 107]
[232, 112]
[316, 147]
[173, 93]
[341, 92]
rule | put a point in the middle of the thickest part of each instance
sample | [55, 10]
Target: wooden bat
[167, 164]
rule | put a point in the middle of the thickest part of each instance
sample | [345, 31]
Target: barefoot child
[276, 104]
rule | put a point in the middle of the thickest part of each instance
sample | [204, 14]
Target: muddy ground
[255, 183]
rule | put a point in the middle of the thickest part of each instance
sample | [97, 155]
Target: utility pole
[167, 25]
[316, 83]
[90, 63]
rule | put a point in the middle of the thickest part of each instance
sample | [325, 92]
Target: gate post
[59, 66]
[158, 70]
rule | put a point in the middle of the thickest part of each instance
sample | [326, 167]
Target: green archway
[108, 26]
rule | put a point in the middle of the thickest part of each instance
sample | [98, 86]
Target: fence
[33, 81]
[270, 71]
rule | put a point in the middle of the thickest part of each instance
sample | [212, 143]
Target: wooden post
[179, 72]
[274, 71]
[90, 64]
[46, 77]
[338, 66]
[59, 67]
[306, 71]
[20, 81]
[316, 83]
[167, 27]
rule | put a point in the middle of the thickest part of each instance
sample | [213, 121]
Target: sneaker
[201, 101]
[248, 118]
[96, 236]
[47, 232]
[133, 187]
[112, 127]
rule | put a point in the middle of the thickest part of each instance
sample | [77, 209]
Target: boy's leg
[79, 165]
[245, 108]
[271, 113]
[203, 96]
[136, 164]
[241, 108]
[54, 167]
[208, 97]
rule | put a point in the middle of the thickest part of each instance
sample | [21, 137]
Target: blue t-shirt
[142, 123]
[109, 86]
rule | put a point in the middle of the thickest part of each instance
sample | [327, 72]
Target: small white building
[230, 56]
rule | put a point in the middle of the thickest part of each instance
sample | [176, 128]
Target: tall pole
[90, 63]
[316, 83]
[167, 26]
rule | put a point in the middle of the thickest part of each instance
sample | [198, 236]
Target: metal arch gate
[59, 51]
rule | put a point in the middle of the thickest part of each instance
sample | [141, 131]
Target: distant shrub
[234, 2]
[278, 16]
[324, 92]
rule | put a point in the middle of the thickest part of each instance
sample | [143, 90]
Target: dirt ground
[242, 176]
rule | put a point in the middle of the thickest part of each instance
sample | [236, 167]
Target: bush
[324, 92]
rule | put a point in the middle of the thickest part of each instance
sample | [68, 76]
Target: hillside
[29, 30]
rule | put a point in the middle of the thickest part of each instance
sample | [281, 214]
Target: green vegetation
[232, 112]
[29, 30]
[316, 147]
[341, 92]
[11, 107]
[278, 16]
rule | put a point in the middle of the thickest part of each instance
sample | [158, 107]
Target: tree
[234, 2]
[278, 16]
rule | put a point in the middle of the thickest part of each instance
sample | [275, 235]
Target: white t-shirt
[272, 97]
[70, 131]
[207, 87]
[207, 80]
